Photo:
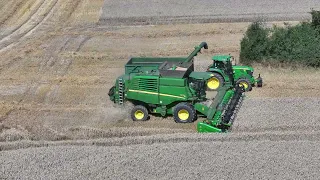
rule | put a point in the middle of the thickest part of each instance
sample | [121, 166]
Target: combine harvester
[170, 86]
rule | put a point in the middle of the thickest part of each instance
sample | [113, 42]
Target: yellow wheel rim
[244, 84]
[139, 114]
[213, 83]
[183, 114]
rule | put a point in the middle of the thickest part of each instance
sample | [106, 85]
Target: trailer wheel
[139, 113]
[184, 113]
[215, 82]
[245, 84]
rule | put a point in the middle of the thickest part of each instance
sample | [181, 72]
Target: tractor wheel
[246, 84]
[139, 113]
[215, 82]
[184, 113]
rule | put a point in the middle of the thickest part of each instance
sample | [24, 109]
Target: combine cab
[170, 86]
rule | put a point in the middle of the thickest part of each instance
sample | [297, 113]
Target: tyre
[215, 82]
[111, 91]
[139, 113]
[245, 83]
[184, 113]
[259, 81]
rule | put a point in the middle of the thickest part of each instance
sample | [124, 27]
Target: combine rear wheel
[215, 82]
[184, 113]
[245, 84]
[139, 113]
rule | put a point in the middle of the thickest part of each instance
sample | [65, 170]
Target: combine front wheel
[139, 113]
[184, 113]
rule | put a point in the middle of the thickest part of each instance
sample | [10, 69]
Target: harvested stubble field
[58, 62]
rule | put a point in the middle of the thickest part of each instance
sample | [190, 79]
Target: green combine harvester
[170, 86]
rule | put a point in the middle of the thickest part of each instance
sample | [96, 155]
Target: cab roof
[221, 58]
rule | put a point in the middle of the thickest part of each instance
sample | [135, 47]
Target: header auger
[170, 86]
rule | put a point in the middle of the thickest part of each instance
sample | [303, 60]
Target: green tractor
[242, 75]
[170, 86]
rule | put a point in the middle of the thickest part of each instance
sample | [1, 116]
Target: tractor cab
[221, 59]
[224, 62]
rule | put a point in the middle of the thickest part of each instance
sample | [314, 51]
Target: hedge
[298, 44]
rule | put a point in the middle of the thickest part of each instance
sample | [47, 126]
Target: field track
[41, 11]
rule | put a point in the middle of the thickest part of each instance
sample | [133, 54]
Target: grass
[5, 110]
[287, 82]
[87, 11]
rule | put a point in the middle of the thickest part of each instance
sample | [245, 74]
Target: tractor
[170, 86]
[242, 74]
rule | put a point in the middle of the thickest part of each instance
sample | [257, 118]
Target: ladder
[121, 91]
